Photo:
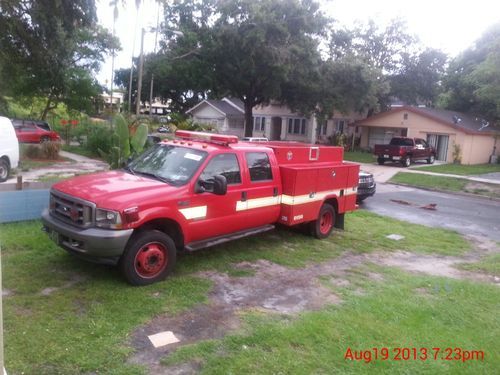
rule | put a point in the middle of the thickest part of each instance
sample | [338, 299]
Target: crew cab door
[260, 198]
[217, 214]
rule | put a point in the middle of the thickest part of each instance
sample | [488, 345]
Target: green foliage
[128, 140]
[456, 153]
[49, 49]
[98, 138]
[473, 80]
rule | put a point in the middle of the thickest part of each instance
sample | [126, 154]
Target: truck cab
[194, 192]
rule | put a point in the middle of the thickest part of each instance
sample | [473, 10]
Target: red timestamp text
[413, 354]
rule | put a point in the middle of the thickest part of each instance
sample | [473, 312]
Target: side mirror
[220, 185]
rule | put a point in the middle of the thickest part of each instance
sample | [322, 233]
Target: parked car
[405, 150]
[164, 129]
[9, 148]
[366, 186]
[255, 139]
[197, 191]
[33, 131]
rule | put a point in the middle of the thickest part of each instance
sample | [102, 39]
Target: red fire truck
[197, 191]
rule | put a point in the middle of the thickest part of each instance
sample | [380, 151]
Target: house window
[339, 126]
[259, 123]
[322, 128]
[405, 116]
[297, 126]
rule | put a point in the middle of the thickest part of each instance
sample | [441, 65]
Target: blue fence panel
[22, 205]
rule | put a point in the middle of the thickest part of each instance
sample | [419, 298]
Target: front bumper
[93, 244]
[365, 192]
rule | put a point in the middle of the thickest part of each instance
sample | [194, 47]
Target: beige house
[452, 133]
[273, 121]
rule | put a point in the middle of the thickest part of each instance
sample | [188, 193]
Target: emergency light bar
[207, 137]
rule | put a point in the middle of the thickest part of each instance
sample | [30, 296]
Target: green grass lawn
[66, 316]
[489, 264]
[463, 170]
[402, 312]
[359, 156]
[442, 183]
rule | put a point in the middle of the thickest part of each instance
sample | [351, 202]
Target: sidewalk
[383, 173]
[78, 165]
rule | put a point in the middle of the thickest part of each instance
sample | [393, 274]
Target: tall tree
[472, 83]
[50, 49]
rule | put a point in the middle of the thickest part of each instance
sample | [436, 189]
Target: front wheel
[380, 161]
[406, 161]
[431, 159]
[44, 139]
[149, 257]
[4, 170]
[323, 225]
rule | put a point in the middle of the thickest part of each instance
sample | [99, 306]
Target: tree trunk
[48, 107]
[248, 118]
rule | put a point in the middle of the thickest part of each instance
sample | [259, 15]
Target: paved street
[467, 215]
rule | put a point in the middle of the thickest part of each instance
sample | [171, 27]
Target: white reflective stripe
[351, 191]
[258, 202]
[199, 212]
[290, 200]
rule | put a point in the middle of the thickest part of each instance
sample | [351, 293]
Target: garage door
[381, 135]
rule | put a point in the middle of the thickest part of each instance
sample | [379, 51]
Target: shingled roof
[457, 120]
[227, 106]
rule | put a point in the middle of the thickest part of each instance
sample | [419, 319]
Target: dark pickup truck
[405, 150]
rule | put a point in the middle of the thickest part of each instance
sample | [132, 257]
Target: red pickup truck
[198, 191]
[405, 150]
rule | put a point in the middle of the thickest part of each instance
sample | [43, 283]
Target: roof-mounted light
[207, 137]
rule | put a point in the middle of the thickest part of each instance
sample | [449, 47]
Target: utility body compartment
[312, 175]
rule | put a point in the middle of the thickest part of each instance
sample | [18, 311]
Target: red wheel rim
[151, 260]
[325, 223]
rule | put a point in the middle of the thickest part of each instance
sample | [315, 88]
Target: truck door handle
[243, 196]
[275, 192]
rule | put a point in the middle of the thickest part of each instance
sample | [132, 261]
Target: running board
[193, 246]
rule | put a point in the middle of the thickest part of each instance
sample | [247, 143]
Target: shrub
[98, 138]
[50, 150]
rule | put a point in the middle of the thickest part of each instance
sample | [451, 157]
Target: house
[273, 121]
[106, 102]
[454, 135]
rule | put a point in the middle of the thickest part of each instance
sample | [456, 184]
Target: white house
[273, 121]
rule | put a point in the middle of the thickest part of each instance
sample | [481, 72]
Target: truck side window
[225, 165]
[259, 166]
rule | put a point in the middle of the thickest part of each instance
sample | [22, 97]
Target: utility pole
[152, 74]
[139, 80]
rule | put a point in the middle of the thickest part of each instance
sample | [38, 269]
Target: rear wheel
[406, 161]
[44, 139]
[4, 170]
[431, 159]
[148, 258]
[380, 161]
[323, 226]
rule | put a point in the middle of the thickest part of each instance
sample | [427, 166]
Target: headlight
[107, 219]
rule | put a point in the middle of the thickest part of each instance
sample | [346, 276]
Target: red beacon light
[207, 137]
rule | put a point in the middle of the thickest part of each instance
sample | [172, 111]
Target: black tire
[44, 139]
[4, 170]
[406, 161]
[323, 225]
[431, 159]
[380, 161]
[149, 257]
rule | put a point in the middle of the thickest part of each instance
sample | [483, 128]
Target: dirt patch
[491, 190]
[273, 288]
[75, 280]
[432, 265]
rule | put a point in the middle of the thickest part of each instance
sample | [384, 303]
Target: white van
[9, 148]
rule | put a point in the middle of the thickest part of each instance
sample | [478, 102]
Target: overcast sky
[449, 25]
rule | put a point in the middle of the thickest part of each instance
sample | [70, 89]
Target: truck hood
[115, 189]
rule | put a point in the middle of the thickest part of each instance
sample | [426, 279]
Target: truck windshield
[401, 142]
[172, 164]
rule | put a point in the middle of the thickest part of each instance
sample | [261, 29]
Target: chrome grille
[71, 210]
